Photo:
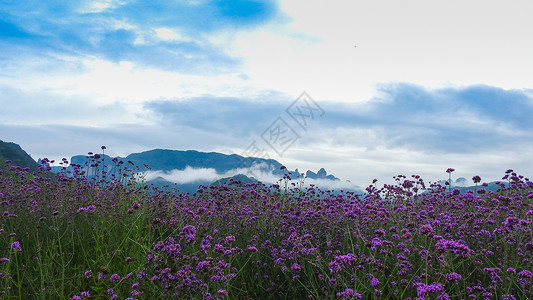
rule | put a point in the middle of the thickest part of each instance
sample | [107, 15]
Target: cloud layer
[404, 127]
[214, 75]
[209, 175]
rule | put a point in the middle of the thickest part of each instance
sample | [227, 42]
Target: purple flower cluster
[349, 294]
[240, 241]
[459, 248]
[16, 246]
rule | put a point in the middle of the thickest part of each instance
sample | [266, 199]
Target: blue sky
[405, 88]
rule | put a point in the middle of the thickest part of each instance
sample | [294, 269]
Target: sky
[364, 89]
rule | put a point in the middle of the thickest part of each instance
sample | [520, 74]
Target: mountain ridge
[18, 157]
[171, 167]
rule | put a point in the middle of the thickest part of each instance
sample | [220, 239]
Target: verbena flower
[453, 277]
[114, 278]
[423, 289]
[16, 246]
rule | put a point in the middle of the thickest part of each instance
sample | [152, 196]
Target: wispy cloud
[162, 34]
[188, 175]
[259, 172]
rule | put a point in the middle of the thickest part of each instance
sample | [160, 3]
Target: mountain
[321, 174]
[186, 170]
[461, 182]
[458, 183]
[18, 157]
[168, 160]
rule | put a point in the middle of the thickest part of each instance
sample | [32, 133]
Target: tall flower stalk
[449, 171]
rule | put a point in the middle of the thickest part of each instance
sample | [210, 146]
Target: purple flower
[525, 274]
[114, 277]
[376, 242]
[453, 277]
[427, 229]
[296, 267]
[458, 247]
[141, 275]
[341, 261]
[190, 233]
[85, 294]
[88, 273]
[423, 289]
[203, 265]
[407, 184]
[230, 239]
[374, 281]
[16, 246]
[349, 294]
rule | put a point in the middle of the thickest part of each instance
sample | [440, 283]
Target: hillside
[18, 157]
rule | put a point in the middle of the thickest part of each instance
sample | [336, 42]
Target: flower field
[70, 237]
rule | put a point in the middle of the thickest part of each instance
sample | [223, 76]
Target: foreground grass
[71, 238]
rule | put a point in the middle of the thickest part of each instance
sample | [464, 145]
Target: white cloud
[99, 6]
[261, 172]
[188, 175]
[167, 34]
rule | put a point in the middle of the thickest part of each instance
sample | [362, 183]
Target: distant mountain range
[168, 160]
[186, 170]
